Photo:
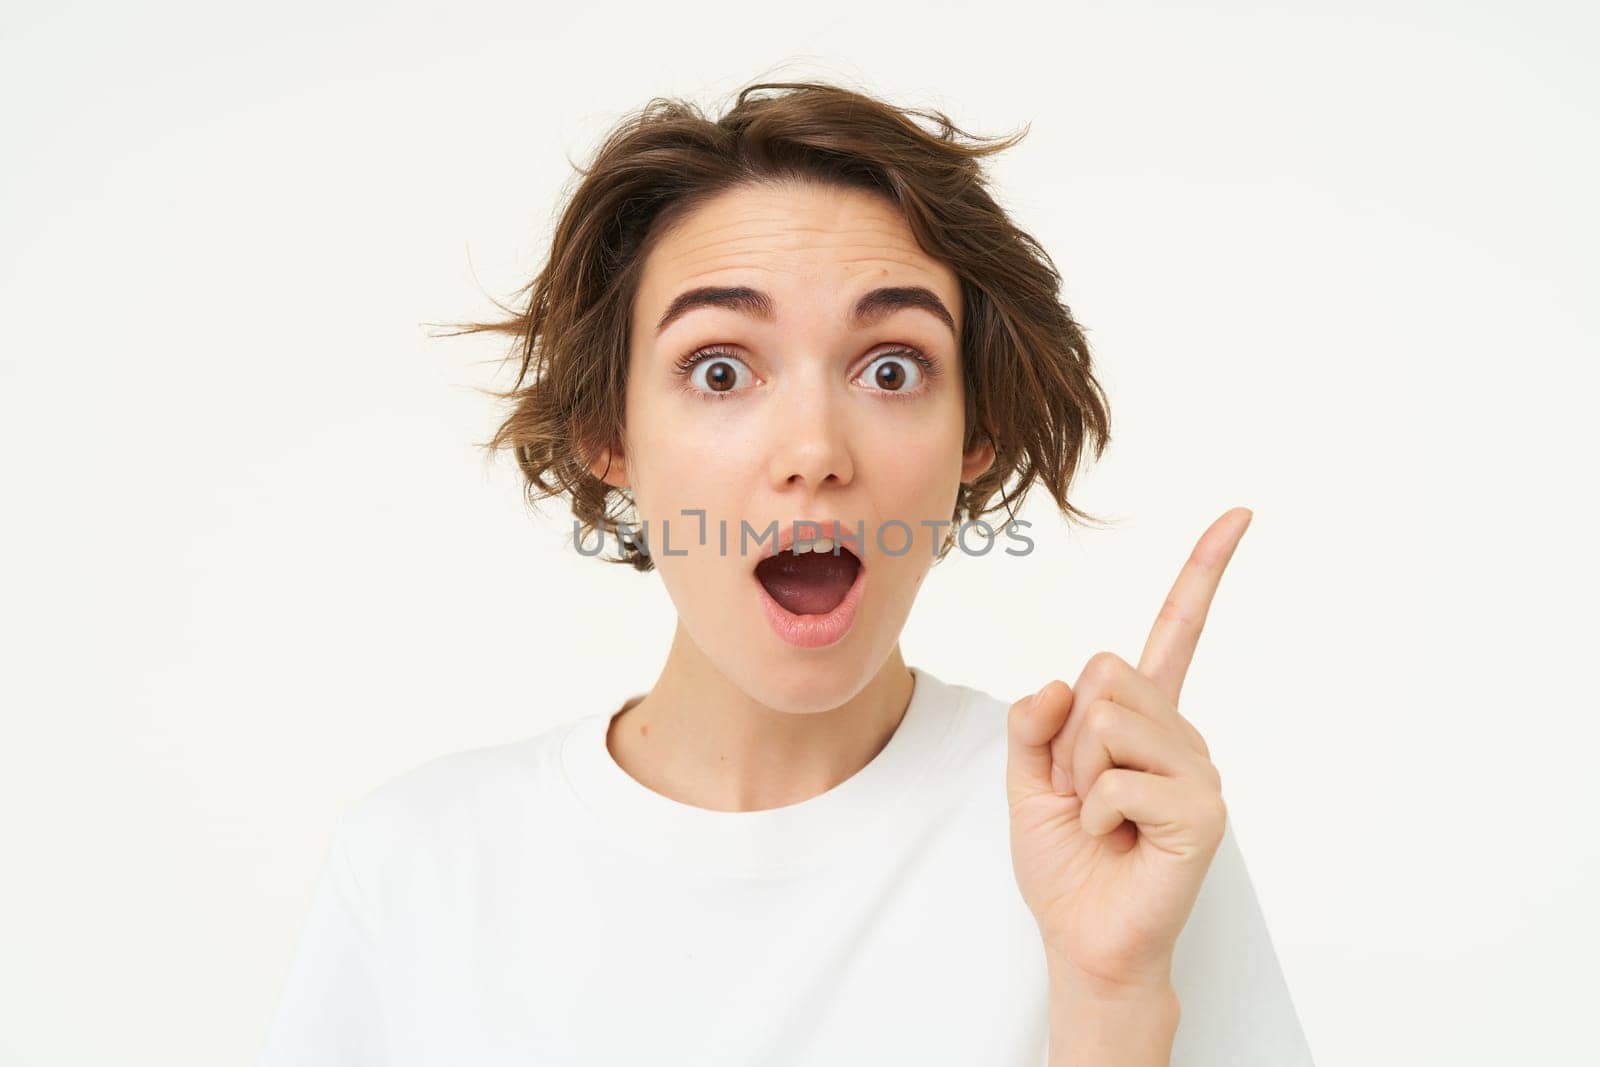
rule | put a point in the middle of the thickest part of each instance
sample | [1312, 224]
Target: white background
[1337, 264]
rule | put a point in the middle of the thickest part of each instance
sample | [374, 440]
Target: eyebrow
[872, 306]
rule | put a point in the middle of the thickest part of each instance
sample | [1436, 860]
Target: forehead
[821, 240]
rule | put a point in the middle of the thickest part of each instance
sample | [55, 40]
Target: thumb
[1031, 725]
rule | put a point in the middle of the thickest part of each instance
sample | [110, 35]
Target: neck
[699, 739]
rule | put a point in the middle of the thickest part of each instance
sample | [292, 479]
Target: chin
[803, 681]
[807, 689]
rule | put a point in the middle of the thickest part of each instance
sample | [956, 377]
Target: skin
[1116, 813]
[738, 718]
[1116, 808]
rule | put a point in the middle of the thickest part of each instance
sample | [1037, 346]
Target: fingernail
[1060, 780]
[1035, 701]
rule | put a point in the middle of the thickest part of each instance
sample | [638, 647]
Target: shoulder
[452, 802]
[978, 724]
[969, 762]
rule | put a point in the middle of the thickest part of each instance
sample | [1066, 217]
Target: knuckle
[1102, 718]
[1173, 610]
[1104, 662]
[1024, 705]
[1217, 814]
[1019, 709]
[1102, 669]
[1113, 785]
[1016, 718]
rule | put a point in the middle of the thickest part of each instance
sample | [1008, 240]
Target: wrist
[1100, 1022]
[1151, 985]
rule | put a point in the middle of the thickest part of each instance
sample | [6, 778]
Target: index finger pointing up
[1176, 633]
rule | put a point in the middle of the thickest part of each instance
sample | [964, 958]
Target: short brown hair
[1026, 367]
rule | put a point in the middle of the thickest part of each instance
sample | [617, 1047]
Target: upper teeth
[824, 544]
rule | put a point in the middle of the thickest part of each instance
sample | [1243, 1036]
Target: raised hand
[1116, 808]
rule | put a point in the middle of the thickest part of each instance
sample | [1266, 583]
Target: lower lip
[814, 631]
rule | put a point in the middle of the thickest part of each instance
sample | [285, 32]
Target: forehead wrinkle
[808, 303]
[850, 253]
[701, 232]
[788, 223]
[919, 271]
[917, 277]
[763, 243]
[725, 245]
[771, 238]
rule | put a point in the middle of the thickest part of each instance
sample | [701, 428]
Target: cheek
[681, 467]
[916, 464]
[693, 463]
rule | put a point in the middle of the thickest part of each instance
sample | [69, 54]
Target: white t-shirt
[533, 904]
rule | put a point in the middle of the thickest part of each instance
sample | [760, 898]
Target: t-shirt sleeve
[1236, 1009]
[331, 1010]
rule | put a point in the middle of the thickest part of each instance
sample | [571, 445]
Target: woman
[807, 320]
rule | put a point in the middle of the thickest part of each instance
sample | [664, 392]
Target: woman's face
[802, 410]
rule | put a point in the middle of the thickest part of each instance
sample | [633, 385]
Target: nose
[811, 447]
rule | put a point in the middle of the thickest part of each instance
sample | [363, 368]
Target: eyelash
[686, 365]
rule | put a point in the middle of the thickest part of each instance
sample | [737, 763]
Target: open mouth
[809, 582]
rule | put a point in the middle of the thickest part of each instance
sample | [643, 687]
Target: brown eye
[890, 372]
[713, 373]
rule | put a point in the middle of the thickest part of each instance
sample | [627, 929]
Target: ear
[977, 460]
[609, 467]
